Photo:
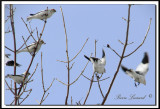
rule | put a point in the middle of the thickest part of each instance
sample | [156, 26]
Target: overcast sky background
[96, 22]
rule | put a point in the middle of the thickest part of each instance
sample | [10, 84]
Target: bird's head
[42, 42]
[53, 10]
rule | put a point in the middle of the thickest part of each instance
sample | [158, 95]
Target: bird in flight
[8, 61]
[139, 74]
[98, 64]
[42, 15]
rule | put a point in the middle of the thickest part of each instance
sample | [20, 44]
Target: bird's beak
[44, 43]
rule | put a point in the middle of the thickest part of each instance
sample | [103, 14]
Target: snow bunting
[42, 15]
[31, 48]
[18, 78]
[98, 64]
[139, 74]
[8, 61]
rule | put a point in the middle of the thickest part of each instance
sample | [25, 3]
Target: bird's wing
[103, 59]
[128, 71]
[87, 57]
[95, 59]
[143, 67]
[7, 55]
[40, 12]
[103, 53]
[34, 43]
[6, 59]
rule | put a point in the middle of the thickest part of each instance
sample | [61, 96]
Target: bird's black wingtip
[87, 57]
[103, 53]
[145, 58]
[124, 68]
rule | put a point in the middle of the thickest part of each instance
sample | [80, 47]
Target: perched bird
[42, 15]
[8, 61]
[139, 74]
[18, 78]
[31, 48]
[98, 64]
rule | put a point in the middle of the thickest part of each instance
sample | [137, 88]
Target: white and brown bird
[18, 78]
[139, 74]
[42, 15]
[98, 64]
[31, 48]
[8, 61]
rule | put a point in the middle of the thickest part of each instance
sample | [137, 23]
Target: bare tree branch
[28, 29]
[113, 50]
[44, 91]
[106, 96]
[67, 57]
[26, 96]
[76, 54]
[142, 41]
[9, 87]
[99, 86]
[14, 39]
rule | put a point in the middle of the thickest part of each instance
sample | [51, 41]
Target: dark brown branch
[9, 49]
[126, 42]
[32, 58]
[14, 39]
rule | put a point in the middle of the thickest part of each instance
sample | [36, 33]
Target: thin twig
[26, 96]
[44, 91]
[113, 50]
[9, 88]
[142, 41]
[9, 49]
[76, 54]
[26, 44]
[28, 29]
[99, 86]
[76, 78]
[91, 82]
[94, 81]
[89, 89]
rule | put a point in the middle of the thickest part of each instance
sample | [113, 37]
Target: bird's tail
[18, 51]
[87, 57]
[29, 18]
[18, 65]
[7, 76]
